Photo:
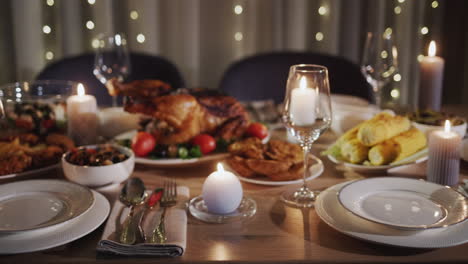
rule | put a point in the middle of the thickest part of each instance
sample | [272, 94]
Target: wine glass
[306, 114]
[112, 60]
[379, 63]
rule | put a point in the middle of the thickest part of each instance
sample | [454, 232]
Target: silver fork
[168, 199]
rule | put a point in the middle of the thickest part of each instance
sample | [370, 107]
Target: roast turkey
[178, 115]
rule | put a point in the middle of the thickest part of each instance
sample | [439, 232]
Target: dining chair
[80, 69]
[263, 76]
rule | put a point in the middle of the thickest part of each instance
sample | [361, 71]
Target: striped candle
[443, 165]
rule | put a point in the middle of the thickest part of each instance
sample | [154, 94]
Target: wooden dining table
[275, 234]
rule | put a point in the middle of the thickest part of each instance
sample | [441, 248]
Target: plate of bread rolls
[380, 143]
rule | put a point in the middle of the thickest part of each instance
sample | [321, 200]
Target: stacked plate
[396, 211]
[41, 214]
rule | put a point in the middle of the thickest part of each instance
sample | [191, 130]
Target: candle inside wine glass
[306, 115]
[303, 103]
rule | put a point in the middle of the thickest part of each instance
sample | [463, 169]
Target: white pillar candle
[443, 165]
[303, 100]
[222, 192]
[82, 117]
[431, 76]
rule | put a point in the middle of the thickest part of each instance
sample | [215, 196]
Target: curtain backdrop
[203, 37]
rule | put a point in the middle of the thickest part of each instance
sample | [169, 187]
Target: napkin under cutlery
[176, 230]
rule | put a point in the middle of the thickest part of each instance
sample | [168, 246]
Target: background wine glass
[379, 63]
[112, 60]
[307, 114]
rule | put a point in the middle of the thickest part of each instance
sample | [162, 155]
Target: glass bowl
[34, 107]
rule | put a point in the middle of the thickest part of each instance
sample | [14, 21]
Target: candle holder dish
[246, 210]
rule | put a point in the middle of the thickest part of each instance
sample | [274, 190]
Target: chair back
[80, 69]
[264, 76]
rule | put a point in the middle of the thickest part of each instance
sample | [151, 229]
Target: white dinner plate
[330, 210]
[35, 204]
[315, 170]
[30, 172]
[404, 203]
[417, 157]
[30, 241]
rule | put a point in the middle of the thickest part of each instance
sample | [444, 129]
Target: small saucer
[246, 209]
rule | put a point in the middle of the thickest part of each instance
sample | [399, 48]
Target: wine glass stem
[306, 150]
[377, 88]
[114, 101]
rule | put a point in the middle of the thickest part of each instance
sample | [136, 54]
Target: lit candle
[303, 100]
[431, 75]
[222, 191]
[443, 165]
[82, 117]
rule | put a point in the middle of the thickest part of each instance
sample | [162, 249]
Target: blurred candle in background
[431, 76]
[82, 117]
[443, 165]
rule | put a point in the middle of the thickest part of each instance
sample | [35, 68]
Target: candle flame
[80, 90]
[220, 168]
[447, 126]
[303, 83]
[432, 49]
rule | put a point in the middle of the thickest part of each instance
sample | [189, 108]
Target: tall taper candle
[431, 76]
[443, 165]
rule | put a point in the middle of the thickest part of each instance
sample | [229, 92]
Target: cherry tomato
[47, 123]
[23, 123]
[143, 143]
[257, 130]
[206, 143]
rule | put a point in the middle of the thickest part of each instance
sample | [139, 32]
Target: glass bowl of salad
[36, 107]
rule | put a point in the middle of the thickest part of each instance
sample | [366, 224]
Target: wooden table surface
[276, 234]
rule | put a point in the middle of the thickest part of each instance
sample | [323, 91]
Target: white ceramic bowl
[96, 176]
[427, 129]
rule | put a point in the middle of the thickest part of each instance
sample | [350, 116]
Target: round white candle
[222, 192]
[431, 76]
[303, 100]
[82, 117]
[443, 165]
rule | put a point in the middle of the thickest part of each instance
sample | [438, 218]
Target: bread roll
[398, 147]
[382, 127]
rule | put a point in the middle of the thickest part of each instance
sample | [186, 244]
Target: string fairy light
[238, 9]
[238, 36]
[140, 38]
[46, 29]
[134, 15]
[397, 10]
[424, 30]
[319, 36]
[90, 24]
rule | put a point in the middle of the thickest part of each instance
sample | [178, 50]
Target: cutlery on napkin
[176, 230]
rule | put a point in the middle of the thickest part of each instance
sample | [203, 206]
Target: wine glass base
[300, 198]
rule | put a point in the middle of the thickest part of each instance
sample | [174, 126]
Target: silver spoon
[132, 194]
